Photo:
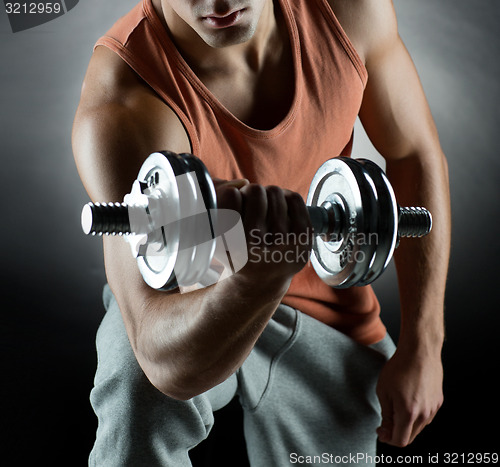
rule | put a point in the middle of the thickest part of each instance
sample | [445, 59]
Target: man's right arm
[185, 343]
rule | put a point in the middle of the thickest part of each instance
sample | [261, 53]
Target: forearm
[422, 264]
[188, 343]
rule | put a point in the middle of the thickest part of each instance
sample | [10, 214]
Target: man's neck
[205, 59]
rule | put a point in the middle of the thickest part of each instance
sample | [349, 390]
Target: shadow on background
[52, 275]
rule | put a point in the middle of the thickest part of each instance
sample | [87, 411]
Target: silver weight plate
[387, 224]
[158, 258]
[343, 261]
[199, 235]
[198, 203]
[367, 237]
[180, 251]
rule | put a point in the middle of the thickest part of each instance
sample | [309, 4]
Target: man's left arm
[398, 121]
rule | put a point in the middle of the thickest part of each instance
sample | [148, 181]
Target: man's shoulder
[111, 89]
[366, 22]
[109, 80]
[119, 122]
[364, 7]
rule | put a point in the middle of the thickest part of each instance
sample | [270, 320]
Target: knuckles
[228, 197]
[273, 190]
[253, 191]
[295, 198]
[269, 208]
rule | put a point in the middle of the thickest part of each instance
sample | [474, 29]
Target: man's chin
[226, 38]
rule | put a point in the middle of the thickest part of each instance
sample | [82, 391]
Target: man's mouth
[223, 21]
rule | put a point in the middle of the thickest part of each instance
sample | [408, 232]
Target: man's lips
[218, 21]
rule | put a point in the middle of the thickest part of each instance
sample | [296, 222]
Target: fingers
[274, 210]
[268, 209]
[404, 420]
[418, 426]
[277, 210]
[424, 419]
[277, 227]
[299, 216]
[229, 197]
[385, 430]
[410, 391]
[401, 427]
[254, 208]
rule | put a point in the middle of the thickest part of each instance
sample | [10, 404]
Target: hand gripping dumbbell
[169, 219]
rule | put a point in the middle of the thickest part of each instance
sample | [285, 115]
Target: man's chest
[260, 100]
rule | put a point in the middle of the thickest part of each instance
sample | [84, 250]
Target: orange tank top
[329, 84]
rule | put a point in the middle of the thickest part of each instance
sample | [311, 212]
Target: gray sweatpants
[306, 390]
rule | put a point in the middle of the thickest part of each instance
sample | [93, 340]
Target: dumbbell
[169, 218]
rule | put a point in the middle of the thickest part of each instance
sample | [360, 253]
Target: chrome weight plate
[385, 237]
[158, 257]
[198, 208]
[364, 238]
[182, 195]
[343, 261]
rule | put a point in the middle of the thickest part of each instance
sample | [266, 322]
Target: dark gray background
[52, 274]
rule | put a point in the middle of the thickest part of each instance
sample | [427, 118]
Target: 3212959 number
[470, 458]
[32, 8]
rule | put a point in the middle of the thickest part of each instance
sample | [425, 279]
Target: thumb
[236, 183]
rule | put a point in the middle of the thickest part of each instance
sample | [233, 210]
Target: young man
[262, 92]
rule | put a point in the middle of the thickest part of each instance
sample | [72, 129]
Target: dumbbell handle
[105, 219]
[412, 221]
[113, 219]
